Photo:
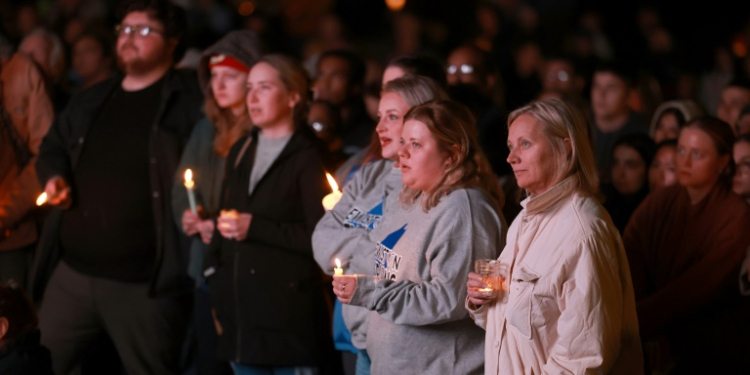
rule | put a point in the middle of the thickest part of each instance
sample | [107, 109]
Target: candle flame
[338, 263]
[188, 175]
[42, 199]
[332, 182]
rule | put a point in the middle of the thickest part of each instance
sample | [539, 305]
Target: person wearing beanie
[222, 74]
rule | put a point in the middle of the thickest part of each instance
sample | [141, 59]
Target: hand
[344, 286]
[58, 192]
[477, 297]
[190, 222]
[206, 229]
[217, 323]
[234, 227]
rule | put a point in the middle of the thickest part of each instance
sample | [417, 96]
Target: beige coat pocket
[520, 299]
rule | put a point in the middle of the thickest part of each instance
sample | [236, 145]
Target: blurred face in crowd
[667, 128]
[138, 53]
[422, 162]
[269, 103]
[663, 170]
[741, 183]
[733, 99]
[89, 60]
[628, 170]
[332, 81]
[609, 95]
[391, 73]
[391, 111]
[464, 66]
[229, 86]
[698, 162]
[531, 155]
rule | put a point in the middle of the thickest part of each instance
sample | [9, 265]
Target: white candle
[190, 187]
[330, 200]
[338, 271]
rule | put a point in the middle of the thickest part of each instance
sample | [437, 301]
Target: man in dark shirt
[610, 90]
[107, 165]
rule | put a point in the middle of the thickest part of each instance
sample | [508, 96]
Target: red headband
[226, 60]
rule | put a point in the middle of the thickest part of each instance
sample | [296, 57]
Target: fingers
[343, 287]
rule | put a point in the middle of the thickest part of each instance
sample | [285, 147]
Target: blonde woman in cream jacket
[569, 307]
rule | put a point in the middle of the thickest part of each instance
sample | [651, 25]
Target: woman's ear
[568, 147]
[294, 99]
[452, 159]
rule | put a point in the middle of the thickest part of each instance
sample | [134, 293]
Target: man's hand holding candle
[58, 192]
[190, 222]
[234, 225]
[206, 229]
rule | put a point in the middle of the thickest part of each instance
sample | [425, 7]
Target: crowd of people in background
[612, 184]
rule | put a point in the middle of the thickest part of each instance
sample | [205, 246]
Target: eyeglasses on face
[139, 30]
[463, 68]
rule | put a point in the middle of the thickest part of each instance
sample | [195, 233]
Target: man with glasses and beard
[110, 261]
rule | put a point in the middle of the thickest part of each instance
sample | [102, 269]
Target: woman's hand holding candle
[474, 286]
[234, 225]
[344, 286]
[190, 222]
[330, 200]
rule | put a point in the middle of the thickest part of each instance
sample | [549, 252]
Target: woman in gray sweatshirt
[448, 216]
[343, 232]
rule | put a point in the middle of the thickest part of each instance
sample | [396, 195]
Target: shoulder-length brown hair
[454, 129]
[229, 128]
[561, 121]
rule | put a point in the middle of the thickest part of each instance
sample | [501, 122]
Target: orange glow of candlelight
[189, 179]
[42, 199]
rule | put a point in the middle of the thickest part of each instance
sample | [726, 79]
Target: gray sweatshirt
[418, 323]
[344, 231]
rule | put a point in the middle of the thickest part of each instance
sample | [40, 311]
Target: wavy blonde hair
[454, 129]
[561, 121]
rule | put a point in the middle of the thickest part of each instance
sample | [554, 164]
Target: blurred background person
[267, 293]
[631, 157]
[323, 118]
[450, 200]
[48, 52]
[93, 59]
[26, 114]
[222, 73]
[742, 126]
[685, 244]
[339, 80]
[741, 153]
[663, 170]
[670, 117]
[734, 97]
[612, 118]
[573, 332]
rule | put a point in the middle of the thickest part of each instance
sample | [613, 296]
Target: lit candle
[330, 200]
[338, 271]
[42, 199]
[190, 187]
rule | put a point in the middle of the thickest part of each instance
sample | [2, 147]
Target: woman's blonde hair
[414, 90]
[453, 127]
[561, 121]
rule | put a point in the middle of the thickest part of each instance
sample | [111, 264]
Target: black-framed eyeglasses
[139, 30]
[463, 68]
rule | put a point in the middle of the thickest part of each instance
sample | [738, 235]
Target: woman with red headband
[222, 72]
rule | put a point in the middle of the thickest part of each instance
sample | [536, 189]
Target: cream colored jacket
[570, 307]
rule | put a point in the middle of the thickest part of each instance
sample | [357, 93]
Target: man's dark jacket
[179, 111]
